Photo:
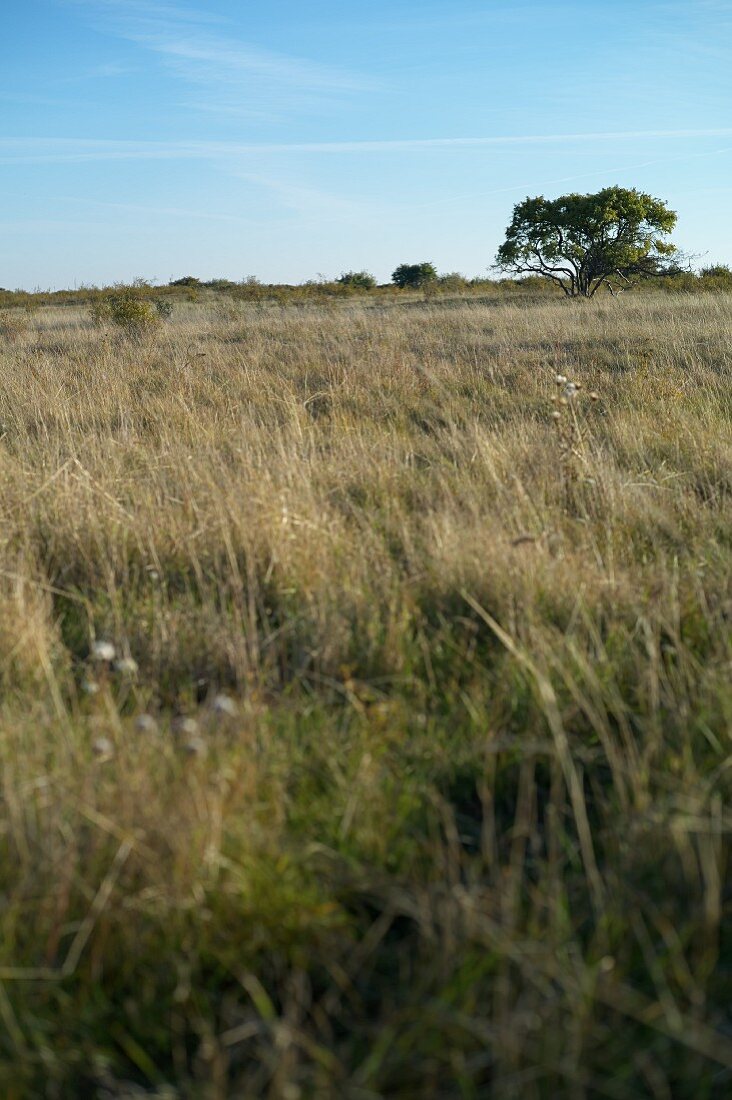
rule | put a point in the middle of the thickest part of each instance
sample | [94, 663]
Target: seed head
[186, 727]
[145, 723]
[103, 651]
[225, 706]
[102, 746]
[560, 379]
[126, 666]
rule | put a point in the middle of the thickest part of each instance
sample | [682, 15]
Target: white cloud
[228, 74]
[28, 150]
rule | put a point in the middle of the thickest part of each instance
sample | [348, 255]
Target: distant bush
[716, 271]
[221, 284]
[163, 308]
[359, 280]
[187, 280]
[716, 277]
[126, 307]
[453, 281]
[414, 276]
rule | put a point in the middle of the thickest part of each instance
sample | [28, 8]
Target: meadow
[366, 699]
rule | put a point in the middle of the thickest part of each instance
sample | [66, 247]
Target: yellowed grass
[471, 802]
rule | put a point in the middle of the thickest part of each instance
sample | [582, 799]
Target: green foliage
[359, 280]
[222, 285]
[716, 271]
[453, 281]
[163, 308]
[414, 276]
[129, 309]
[187, 280]
[716, 277]
[579, 241]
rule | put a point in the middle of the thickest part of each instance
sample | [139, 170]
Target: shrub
[413, 276]
[453, 281]
[222, 285]
[716, 271]
[187, 280]
[126, 307]
[359, 280]
[163, 308]
[716, 277]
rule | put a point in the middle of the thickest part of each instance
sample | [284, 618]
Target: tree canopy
[414, 275]
[580, 241]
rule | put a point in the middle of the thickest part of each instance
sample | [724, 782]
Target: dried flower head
[103, 651]
[126, 666]
[225, 706]
[185, 727]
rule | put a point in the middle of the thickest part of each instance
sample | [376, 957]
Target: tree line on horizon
[612, 239]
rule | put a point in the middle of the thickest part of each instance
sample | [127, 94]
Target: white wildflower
[145, 723]
[186, 727]
[103, 651]
[126, 666]
[225, 706]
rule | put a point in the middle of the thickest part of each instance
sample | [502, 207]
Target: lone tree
[413, 276]
[580, 241]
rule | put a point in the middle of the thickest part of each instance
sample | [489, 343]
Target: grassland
[411, 776]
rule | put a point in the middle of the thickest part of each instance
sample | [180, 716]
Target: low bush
[126, 307]
[359, 280]
[163, 308]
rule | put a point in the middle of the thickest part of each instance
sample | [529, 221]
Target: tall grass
[409, 775]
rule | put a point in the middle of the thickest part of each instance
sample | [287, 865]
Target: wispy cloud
[43, 150]
[306, 200]
[166, 211]
[229, 75]
[291, 198]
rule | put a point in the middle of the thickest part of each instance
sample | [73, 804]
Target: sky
[298, 139]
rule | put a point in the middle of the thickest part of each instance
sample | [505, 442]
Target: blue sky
[295, 138]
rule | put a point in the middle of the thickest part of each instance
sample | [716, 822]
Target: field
[409, 776]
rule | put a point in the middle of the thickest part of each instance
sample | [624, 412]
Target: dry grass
[465, 833]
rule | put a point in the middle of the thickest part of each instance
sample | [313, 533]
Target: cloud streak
[45, 150]
[228, 74]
